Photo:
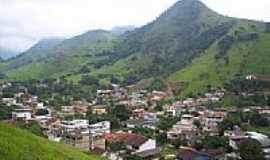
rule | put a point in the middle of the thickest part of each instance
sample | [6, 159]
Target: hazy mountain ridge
[38, 51]
[168, 47]
[120, 30]
[6, 54]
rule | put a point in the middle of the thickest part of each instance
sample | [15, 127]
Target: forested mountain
[6, 54]
[188, 43]
[58, 58]
[38, 51]
[119, 30]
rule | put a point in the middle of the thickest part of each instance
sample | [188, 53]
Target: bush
[89, 80]
[42, 112]
[251, 150]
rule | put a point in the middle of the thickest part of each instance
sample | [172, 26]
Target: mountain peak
[186, 11]
[190, 3]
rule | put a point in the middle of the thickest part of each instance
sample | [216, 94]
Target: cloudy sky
[24, 22]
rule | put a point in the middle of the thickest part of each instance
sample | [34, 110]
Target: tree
[197, 123]
[251, 150]
[42, 112]
[214, 142]
[134, 157]
[121, 112]
[157, 84]
[84, 69]
[178, 142]
[229, 123]
[116, 146]
[166, 123]
[146, 132]
[161, 138]
[160, 104]
[2, 75]
[5, 112]
[258, 120]
[89, 80]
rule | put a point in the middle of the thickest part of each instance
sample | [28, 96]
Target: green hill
[188, 43]
[6, 54]
[64, 58]
[242, 57]
[38, 51]
[18, 144]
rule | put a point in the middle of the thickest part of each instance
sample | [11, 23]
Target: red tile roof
[126, 138]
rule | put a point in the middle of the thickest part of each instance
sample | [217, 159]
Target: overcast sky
[24, 22]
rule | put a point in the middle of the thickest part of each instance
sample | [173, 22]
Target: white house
[187, 119]
[22, 114]
[73, 125]
[68, 109]
[150, 144]
[98, 129]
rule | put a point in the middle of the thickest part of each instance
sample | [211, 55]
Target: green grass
[244, 58]
[17, 144]
[264, 130]
[258, 61]
[56, 67]
[167, 153]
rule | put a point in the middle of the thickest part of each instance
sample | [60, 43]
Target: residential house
[263, 110]
[81, 109]
[138, 113]
[77, 138]
[211, 119]
[157, 96]
[99, 109]
[24, 114]
[100, 128]
[68, 110]
[263, 140]
[172, 111]
[133, 143]
[97, 132]
[68, 126]
[9, 101]
[184, 130]
[143, 119]
[76, 133]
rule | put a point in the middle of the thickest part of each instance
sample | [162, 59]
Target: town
[131, 123]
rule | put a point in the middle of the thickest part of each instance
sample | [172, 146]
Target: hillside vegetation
[17, 144]
[241, 58]
[187, 44]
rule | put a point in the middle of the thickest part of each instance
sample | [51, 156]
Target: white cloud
[23, 22]
[250, 9]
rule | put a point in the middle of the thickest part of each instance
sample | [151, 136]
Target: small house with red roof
[132, 142]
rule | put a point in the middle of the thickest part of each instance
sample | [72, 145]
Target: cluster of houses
[99, 137]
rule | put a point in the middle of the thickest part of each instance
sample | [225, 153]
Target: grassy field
[17, 144]
[244, 58]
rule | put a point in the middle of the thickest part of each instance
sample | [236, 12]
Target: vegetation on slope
[159, 48]
[38, 51]
[69, 57]
[21, 145]
[241, 58]
[188, 43]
